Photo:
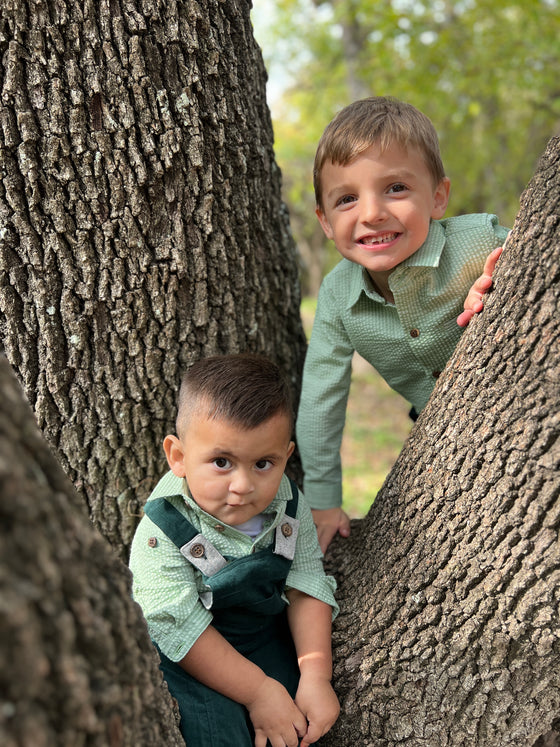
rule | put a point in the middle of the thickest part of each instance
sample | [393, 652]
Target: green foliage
[484, 71]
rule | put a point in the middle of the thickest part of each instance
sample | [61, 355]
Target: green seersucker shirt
[166, 586]
[408, 342]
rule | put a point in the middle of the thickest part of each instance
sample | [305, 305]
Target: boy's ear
[441, 198]
[325, 225]
[175, 455]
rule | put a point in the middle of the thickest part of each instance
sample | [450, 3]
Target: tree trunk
[449, 632]
[141, 225]
[78, 666]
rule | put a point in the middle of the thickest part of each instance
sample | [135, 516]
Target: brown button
[414, 332]
[436, 374]
[197, 551]
[152, 542]
[287, 530]
[219, 528]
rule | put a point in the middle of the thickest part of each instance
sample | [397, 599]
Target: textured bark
[450, 587]
[78, 667]
[141, 225]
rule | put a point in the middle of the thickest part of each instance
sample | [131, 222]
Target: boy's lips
[379, 239]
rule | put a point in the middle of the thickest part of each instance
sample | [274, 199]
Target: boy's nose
[373, 210]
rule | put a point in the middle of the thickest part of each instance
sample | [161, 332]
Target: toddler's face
[233, 474]
[377, 208]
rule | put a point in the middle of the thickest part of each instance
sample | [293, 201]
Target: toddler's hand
[473, 302]
[317, 700]
[275, 716]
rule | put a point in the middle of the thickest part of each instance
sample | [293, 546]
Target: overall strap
[291, 506]
[199, 551]
[287, 530]
[170, 521]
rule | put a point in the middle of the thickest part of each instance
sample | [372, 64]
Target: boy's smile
[233, 473]
[378, 208]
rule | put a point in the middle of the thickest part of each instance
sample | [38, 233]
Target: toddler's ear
[175, 455]
[291, 447]
[441, 198]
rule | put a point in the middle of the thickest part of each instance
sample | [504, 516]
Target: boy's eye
[221, 463]
[263, 464]
[398, 188]
[345, 200]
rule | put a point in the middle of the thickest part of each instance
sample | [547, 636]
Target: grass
[377, 425]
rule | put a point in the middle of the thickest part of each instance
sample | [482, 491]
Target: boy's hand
[329, 521]
[317, 700]
[275, 716]
[473, 302]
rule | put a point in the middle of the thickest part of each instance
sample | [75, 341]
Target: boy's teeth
[379, 239]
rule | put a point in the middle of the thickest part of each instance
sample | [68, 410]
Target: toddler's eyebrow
[217, 452]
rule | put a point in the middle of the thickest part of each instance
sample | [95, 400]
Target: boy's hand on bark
[329, 521]
[473, 302]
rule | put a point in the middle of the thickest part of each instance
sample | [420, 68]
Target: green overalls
[245, 596]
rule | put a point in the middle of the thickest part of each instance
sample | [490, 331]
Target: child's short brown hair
[244, 388]
[380, 121]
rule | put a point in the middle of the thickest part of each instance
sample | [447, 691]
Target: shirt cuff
[320, 587]
[176, 641]
[321, 495]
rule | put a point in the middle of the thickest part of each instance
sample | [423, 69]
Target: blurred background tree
[484, 71]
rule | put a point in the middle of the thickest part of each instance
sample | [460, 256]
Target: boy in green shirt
[397, 294]
[227, 567]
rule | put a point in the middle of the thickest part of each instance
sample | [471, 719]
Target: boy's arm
[310, 625]
[216, 663]
[321, 415]
[473, 302]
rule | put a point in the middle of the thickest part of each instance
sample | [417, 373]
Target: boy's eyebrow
[339, 188]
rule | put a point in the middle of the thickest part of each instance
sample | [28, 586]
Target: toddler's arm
[329, 521]
[215, 663]
[473, 302]
[310, 625]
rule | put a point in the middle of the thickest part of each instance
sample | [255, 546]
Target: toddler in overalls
[228, 570]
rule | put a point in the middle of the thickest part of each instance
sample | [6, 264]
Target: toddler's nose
[241, 483]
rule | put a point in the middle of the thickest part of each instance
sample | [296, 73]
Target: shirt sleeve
[307, 573]
[165, 588]
[322, 409]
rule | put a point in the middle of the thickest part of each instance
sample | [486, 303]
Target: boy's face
[233, 474]
[377, 208]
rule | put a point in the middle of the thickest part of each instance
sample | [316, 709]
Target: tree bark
[78, 666]
[141, 225]
[449, 632]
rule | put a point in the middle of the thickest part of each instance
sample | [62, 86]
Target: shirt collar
[428, 255]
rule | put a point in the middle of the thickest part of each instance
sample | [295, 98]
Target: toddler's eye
[398, 187]
[221, 463]
[263, 464]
